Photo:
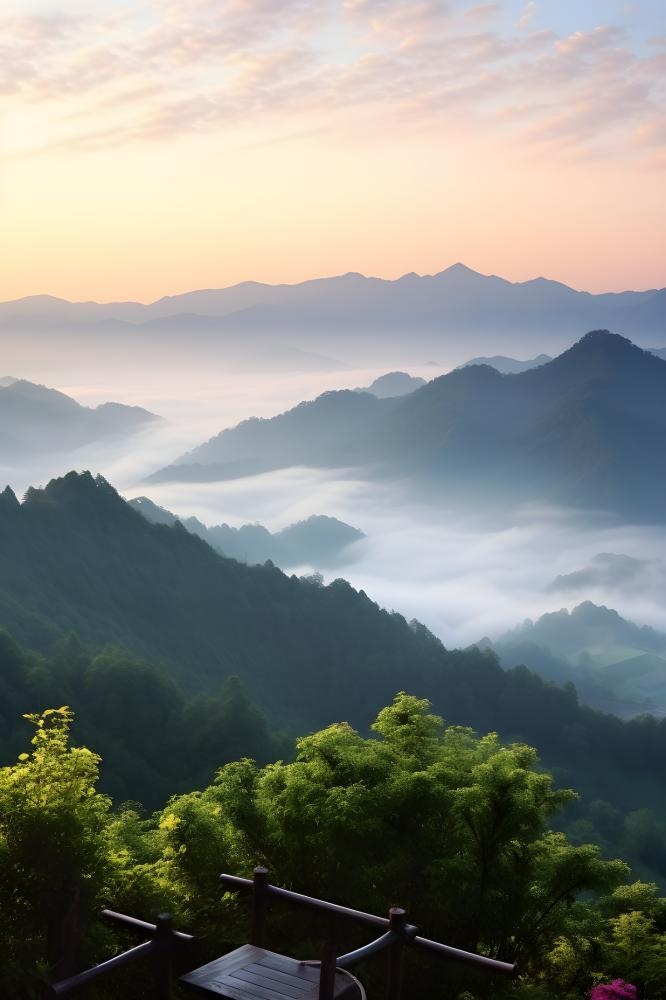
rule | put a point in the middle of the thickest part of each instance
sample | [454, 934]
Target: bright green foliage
[52, 853]
[453, 827]
[456, 828]
[622, 936]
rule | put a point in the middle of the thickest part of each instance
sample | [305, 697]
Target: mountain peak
[604, 337]
[8, 499]
[76, 488]
[601, 347]
[588, 611]
[459, 269]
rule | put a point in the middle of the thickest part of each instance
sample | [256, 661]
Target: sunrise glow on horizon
[151, 148]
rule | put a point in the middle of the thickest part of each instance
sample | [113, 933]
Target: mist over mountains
[616, 665]
[319, 540]
[35, 419]
[77, 557]
[338, 317]
[584, 430]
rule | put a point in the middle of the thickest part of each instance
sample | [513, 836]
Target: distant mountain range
[458, 307]
[35, 419]
[586, 429]
[318, 541]
[509, 366]
[616, 666]
[512, 366]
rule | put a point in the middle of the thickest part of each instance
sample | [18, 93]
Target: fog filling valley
[465, 576]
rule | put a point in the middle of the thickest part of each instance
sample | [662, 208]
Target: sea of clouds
[463, 574]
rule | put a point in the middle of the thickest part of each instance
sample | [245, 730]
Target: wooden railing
[160, 950]
[397, 934]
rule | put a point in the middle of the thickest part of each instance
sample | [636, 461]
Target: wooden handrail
[134, 924]
[379, 944]
[470, 958]
[246, 884]
[159, 947]
[446, 951]
[81, 978]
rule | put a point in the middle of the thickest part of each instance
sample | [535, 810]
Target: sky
[157, 146]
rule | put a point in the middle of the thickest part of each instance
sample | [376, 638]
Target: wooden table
[251, 973]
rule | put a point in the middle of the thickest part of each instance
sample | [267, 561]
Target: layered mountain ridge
[585, 429]
[354, 307]
[616, 665]
[77, 558]
[318, 540]
[35, 419]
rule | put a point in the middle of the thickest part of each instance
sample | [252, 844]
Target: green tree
[52, 853]
[454, 827]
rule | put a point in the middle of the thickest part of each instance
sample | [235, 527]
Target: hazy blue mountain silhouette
[588, 626]
[457, 300]
[35, 419]
[393, 384]
[606, 570]
[509, 366]
[318, 540]
[585, 429]
[616, 665]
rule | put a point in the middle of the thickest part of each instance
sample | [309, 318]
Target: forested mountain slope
[76, 557]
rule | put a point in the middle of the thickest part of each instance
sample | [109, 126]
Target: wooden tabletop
[251, 973]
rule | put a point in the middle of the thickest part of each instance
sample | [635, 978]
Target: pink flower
[617, 990]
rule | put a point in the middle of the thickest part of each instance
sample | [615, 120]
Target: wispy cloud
[527, 16]
[163, 68]
[481, 11]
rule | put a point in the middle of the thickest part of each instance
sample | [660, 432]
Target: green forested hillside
[77, 558]
[154, 740]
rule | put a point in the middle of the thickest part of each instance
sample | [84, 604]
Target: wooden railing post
[327, 973]
[397, 923]
[259, 905]
[163, 956]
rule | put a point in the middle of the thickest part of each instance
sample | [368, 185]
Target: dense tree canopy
[154, 739]
[455, 827]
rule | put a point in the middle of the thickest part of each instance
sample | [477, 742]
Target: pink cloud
[527, 16]
[205, 64]
[481, 11]
[585, 42]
